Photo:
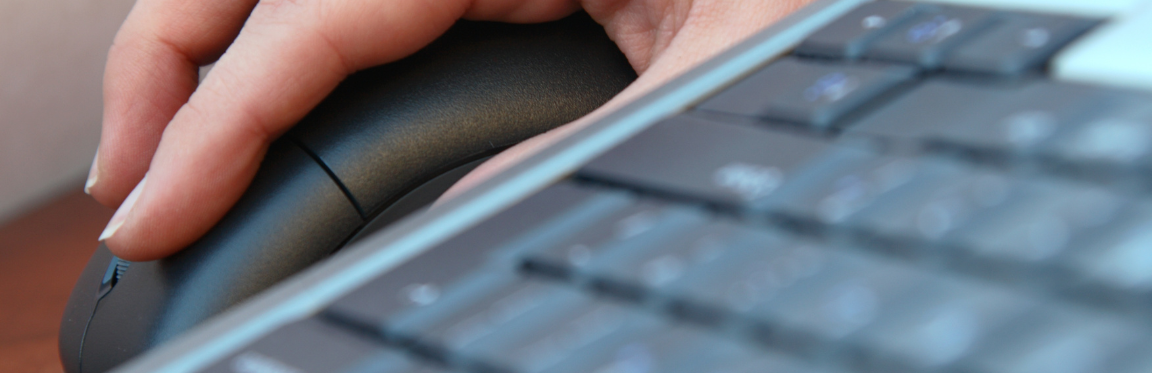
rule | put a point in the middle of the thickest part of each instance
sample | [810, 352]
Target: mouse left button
[292, 216]
[81, 304]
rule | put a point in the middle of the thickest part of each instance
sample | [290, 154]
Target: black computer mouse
[386, 142]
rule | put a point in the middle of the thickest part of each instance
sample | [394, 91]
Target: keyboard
[887, 186]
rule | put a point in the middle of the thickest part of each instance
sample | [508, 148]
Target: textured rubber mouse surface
[399, 132]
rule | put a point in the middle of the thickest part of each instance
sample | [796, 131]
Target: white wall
[51, 66]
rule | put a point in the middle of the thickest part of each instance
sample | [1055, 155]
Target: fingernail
[93, 173]
[122, 213]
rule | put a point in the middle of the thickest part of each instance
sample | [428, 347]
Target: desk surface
[41, 255]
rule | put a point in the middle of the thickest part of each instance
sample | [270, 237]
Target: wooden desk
[41, 256]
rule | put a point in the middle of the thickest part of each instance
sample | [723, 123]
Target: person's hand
[176, 154]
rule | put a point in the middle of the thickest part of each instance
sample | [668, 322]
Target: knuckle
[253, 123]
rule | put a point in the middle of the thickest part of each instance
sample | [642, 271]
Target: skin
[199, 144]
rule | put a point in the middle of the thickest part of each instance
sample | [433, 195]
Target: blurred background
[51, 66]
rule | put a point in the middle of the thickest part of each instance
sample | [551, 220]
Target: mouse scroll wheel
[116, 269]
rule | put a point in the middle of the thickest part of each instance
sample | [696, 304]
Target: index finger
[151, 71]
[289, 55]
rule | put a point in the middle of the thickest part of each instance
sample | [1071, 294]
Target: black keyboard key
[848, 36]
[1041, 221]
[1119, 259]
[936, 201]
[759, 265]
[850, 292]
[420, 282]
[925, 109]
[312, 345]
[590, 216]
[548, 336]
[481, 308]
[1017, 121]
[927, 38]
[1114, 139]
[428, 299]
[848, 185]
[637, 226]
[720, 163]
[751, 359]
[671, 349]
[939, 323]
[1057, 340]
[989, 122]
[1016, 44]
[806, 92]
[634, 272]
